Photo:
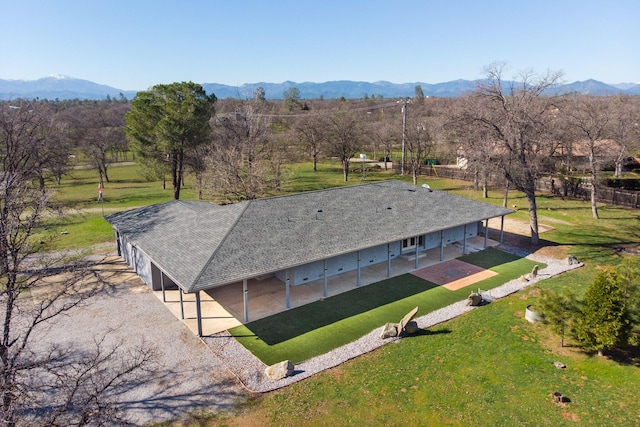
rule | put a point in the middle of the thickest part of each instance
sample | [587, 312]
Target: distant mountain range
[63, 87]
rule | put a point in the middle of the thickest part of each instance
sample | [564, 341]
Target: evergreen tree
[605, 321]
[630, 279]
[560, 310]
[419, 94]
[165, 123]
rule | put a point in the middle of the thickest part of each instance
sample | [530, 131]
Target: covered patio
[223, 307]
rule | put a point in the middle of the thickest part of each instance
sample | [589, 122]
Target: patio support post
[416, 262]
[486, 232]
[358, 268]
[245, 299]
[502, 229]
[118, 248]
[164, 297]
[388, 260]
[464, 241]
[198, 313]
[441, 245]
[325, 290]
[181, 304]
[288, 296]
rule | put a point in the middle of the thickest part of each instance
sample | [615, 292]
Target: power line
[318, 113]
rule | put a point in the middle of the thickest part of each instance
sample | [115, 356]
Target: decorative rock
[530, 276]
[279, 370]
[475, 299]
[406, 326]
[559, 365]
[408, 318]
[390, 330]
[411, 328]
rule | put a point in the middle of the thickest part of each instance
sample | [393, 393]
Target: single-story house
[297, 238]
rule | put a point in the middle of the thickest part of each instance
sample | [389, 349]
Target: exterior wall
[453, 235]
[456, 234]
[341, 264]
[159, 279]
[432, 240]
[137, 260]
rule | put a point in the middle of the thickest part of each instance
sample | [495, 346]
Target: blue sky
[134, 44]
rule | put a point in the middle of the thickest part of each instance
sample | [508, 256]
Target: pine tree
[605, 321]
[560, 311]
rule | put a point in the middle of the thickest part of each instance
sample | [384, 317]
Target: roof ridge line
[204, 268]
[320, 190]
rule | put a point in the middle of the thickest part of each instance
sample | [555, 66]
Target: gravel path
[250, 370]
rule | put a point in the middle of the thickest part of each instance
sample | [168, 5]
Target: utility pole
[404, 128]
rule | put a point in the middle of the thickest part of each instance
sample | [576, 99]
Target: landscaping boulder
[530, 276]
[390, 330]
[558, 397]
[279, 370]
[474, 299]
[408, 318]
[411, 328]
[406, 326]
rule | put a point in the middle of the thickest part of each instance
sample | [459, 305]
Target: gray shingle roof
[201, 245]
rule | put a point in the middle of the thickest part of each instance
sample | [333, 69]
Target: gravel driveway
[186, 377]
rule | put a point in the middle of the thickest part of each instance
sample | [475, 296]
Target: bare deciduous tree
[419, 143]
[516, 114]
[624, 128]
[99, 131]
[310, 131]
[241, 153]
[33, 377]
[49, 143]
[344, 139]
[589, 119]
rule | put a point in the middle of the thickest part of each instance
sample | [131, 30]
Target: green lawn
[82, 224]
[488, 367]
[313, 329]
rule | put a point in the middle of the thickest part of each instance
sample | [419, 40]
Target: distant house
[297, 238]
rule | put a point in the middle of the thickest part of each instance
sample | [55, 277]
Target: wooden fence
[577, 191]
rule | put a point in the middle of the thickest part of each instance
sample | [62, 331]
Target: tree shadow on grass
[628, 355]
[489, 258]
[295, 322]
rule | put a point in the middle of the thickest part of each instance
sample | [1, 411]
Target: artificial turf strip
[313, 329]
[489, 258]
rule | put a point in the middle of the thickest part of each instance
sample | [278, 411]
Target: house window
[411, 243]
